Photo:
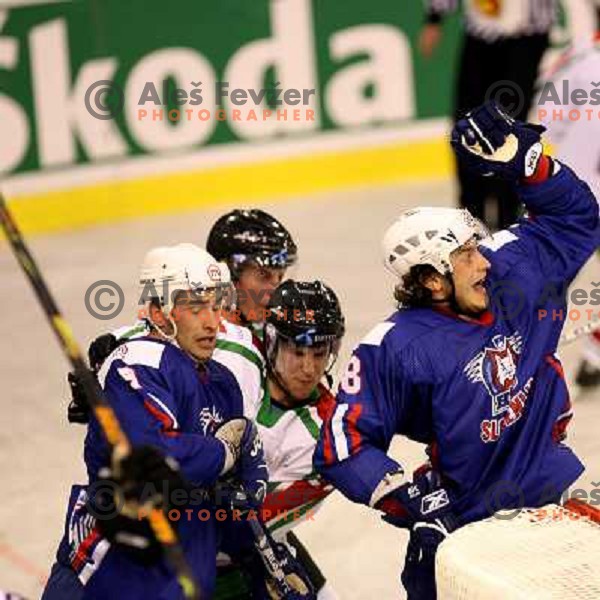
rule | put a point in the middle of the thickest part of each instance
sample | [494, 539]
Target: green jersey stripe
[308, 421]
[242, 351]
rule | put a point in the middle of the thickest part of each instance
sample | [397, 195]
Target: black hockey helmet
[306, 313]
[251, 235]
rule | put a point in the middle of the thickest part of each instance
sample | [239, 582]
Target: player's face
[198, 317]
[470, 270]
[255, 286]
[301, 368]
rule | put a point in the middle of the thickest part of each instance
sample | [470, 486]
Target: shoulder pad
[143, 352]
[376, 335]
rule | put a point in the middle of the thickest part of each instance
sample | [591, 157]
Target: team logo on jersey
[210, 419]
[496, 368]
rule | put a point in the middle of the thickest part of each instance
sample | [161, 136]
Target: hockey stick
[262, 543]
[267, 554]
[107, 419]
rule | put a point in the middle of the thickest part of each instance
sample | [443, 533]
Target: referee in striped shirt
[503, 45]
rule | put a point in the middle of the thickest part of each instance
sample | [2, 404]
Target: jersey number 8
[350, 382]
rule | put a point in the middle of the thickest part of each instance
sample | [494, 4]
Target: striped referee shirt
[492, 19]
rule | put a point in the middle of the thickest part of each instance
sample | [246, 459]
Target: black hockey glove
[98, 352]
[142, 481]
[490, 142]
[425, 508]
[79, 410]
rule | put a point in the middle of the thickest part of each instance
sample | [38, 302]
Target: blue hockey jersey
[160, 398]
[487, 395]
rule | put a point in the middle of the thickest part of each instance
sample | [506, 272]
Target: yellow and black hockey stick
[102, 409]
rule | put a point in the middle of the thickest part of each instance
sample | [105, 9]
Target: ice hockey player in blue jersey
[467, 364]
[171, 400]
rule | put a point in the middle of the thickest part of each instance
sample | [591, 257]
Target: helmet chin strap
[169, 337]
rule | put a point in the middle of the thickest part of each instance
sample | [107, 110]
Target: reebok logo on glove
[434, 501]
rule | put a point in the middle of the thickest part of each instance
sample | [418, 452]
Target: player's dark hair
[412, 292]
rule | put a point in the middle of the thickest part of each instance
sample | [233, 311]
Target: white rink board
[40, 453]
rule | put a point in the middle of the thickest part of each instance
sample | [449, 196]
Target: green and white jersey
[289, 436]
[237, 350]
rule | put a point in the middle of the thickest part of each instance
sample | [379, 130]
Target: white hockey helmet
[168, 269]
[427, 236]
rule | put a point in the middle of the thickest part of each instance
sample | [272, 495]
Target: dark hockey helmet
[306, 313]
[251, 235]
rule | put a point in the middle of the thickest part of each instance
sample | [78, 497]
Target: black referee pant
[483, 64]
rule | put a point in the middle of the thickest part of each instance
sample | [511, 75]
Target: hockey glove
[245, 467]
[98, 352]
[79, 410]
[424, 507]
[490, 142]
[143, 480]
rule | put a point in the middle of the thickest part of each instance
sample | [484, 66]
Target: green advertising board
[97, 97]
[358, 58]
